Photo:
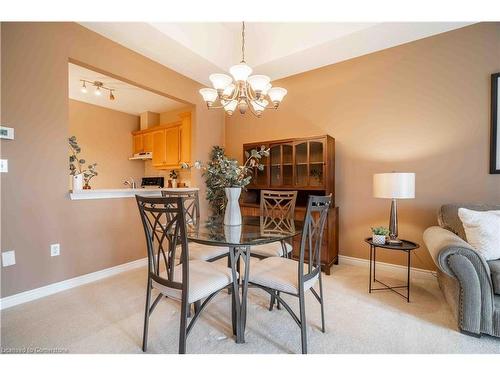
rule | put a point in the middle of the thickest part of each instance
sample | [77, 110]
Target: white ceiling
[276, 49]
[128, 98]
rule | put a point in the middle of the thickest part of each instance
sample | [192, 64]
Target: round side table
[405, 246]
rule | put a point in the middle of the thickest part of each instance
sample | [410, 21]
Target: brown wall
[105, 138]
[422, 107]
[36, 210]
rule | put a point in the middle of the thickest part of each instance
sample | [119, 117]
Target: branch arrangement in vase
[223, 172]
[77, 165]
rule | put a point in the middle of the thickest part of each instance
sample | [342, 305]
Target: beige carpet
[107, 316]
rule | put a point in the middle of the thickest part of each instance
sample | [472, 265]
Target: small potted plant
[379, 235]
[173, 176]
[76, 167]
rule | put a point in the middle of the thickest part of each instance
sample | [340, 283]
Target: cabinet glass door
[316, 163]
[301, 164]
[287, 164]
[259, 178]
[276, 170]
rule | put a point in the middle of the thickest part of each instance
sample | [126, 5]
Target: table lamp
[394, 186]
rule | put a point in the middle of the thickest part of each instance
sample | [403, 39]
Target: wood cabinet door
[275, 164]
[317, 157]
[260, 178]
[159, 148]
[301, 164]
[172, 145]
[185, 138]
[147, 142]
[138, 145]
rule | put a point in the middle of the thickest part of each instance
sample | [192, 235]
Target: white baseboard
[47, 290]
[343, 259]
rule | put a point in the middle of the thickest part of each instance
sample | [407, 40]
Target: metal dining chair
[192, 214]
[277, 208]
[280, 274]
[191, 281]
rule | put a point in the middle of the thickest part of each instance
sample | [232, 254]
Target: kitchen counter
[121, 193]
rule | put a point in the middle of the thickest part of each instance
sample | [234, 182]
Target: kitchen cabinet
[170, 143]
[159, 148]
[147, 142]
[137, 144]
[185, 137]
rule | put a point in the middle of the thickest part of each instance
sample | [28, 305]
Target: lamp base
[394, 241]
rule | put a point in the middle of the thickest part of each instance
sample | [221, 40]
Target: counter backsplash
[184, 175]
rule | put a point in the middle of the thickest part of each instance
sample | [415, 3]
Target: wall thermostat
[6, 133]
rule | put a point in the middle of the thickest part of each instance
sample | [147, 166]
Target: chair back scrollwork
[164, 225]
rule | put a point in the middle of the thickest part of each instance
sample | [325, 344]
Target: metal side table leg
[370, 278]
[408, 279]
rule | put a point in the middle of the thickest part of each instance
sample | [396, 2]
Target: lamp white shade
[266, 89]
[220, 81]
[230, 105]
[209, 95]
[259, 82]
[240, 72]
[228, 91]
[277, 94]
[394, 185]
[259, 106]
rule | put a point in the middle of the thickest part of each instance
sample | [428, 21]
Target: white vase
[232, 216]
[77, 182]
[174, 184]
[378, 239]
[232, 233]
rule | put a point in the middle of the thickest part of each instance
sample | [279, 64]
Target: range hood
[142, 156]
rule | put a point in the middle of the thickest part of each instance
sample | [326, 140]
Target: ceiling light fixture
[99, 86]
[254, 92]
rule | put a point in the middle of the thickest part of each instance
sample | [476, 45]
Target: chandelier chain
[243, 42]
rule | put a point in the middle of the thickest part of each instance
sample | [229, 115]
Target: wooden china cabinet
[308, 166]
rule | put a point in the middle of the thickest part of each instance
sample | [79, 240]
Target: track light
[99, 87]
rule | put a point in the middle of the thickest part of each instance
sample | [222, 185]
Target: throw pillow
[482, 229]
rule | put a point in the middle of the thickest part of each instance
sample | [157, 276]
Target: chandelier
[247, 92]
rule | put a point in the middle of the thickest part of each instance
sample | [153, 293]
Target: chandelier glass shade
[241, 90]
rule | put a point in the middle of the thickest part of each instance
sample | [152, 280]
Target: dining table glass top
[254, 230]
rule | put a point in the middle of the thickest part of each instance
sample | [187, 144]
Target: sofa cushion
[448, 216]
[482, 229]
[495, 274]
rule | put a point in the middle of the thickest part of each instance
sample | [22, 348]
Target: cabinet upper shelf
[297, 163]
[170, 144]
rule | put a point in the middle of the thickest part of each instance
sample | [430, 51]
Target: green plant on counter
[381, 231]
[223, 172]
[76, 164]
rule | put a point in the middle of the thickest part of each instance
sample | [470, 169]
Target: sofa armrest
[456, 258]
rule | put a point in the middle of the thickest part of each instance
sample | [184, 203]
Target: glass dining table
[254, 230]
